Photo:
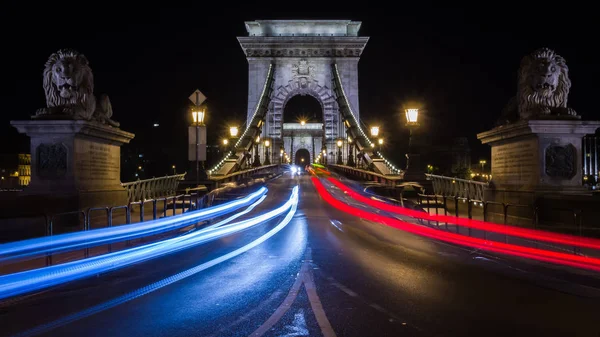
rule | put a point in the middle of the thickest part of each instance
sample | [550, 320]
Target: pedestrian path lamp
[339, 152]
[412, 122]
[267, 157]
[374, 134]
[198, 140]
[233, 133]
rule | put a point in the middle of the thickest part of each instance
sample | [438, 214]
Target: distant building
[15, 171]
[24, 169]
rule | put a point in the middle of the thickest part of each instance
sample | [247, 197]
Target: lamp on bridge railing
[350, 152]
[281, 154]
[324, 152]
[412, 121]
[233, 133]
[198, 141]
[267, 157]
[256, 162]
[380, 142]
[339, 152]
[374, 134]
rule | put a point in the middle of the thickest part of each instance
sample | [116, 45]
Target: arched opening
[302, 157]
[303, 108]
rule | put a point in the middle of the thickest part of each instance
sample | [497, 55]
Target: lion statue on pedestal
[69, 88]
[543, 89]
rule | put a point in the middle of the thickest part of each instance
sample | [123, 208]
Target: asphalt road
[325, 274]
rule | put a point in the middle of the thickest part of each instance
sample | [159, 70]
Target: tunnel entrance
[302, 158]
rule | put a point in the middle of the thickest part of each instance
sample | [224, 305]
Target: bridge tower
[300, 53]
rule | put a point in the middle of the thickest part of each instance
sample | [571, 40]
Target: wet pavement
[326, 273]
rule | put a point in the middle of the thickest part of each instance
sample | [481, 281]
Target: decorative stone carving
[52, 160]
[303, 73]
[69, 89]
[560, 161]
[254, 51]
[543, 89]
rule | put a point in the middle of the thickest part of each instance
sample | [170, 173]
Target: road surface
[325, 274]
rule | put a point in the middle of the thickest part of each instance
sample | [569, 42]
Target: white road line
[305, 278]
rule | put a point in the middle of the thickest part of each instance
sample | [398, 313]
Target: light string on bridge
[338, 78]
[256, 109]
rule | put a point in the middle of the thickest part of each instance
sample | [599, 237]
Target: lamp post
[350, 152]
[380, 142]
[267, 157]
[412, 116]
[281, 154]
[198, 118]
[256, 156]
[339, 152]
[324, 151]
[482, 162]
[233, 132]
[374, 134]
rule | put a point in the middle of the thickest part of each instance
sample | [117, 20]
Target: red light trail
[493, 246]
[476, 224]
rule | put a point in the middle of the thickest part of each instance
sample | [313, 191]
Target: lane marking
[305, 277]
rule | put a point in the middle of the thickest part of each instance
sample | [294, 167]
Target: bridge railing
[455, 187]
[152, 188]
[391, 180]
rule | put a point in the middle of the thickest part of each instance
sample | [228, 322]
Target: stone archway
[302, 157]
[323, 94]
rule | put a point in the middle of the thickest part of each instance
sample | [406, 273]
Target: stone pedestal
[414, 171]
[536, 157]
[75, 163]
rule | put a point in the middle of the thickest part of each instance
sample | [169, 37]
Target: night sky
[459, 65]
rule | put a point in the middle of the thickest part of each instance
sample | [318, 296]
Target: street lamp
[339, 158]
[302, 122]
[412, 116]
[380, 142]
[324, 151]
[267, 159]
[350, 152]
[198, 118]
[482, 162]
[256, 156]
[233, 131]
[374, 134]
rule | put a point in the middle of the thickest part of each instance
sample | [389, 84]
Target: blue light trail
[37, 279]
[71, 241]
[167, 281]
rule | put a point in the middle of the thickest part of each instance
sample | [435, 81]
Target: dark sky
[459, 64]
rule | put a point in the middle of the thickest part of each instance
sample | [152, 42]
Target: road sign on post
[197, 97]
[199, 132]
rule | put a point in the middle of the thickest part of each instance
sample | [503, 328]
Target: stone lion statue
[69, 89]
[542, 90]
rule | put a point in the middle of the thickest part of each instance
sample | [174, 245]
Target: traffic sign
[197, 97]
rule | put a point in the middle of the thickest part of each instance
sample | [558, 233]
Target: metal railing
[391, 180]
[152, 188]
[455, 187]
